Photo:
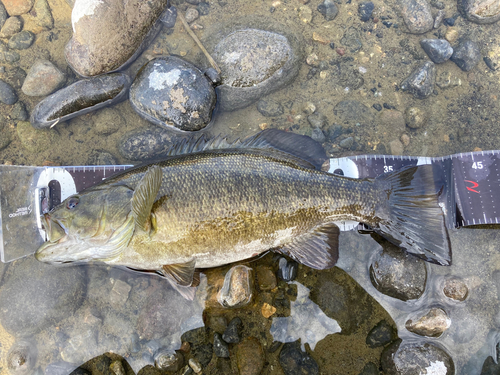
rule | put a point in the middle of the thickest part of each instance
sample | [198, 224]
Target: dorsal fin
[299, 146]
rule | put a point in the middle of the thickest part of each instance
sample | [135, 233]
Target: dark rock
[449, 21]
[173, 93]
[489, 63]
[480, 11]
[347, 143]
[294, 361]
[328, 9]
[288, 269]
[380, 335]
[415, 358]
[168, 360]
[19, 112]
[421, 81]
[431, 323]
[7, 93]
[97, 26]
[196, 337]
[370, 369]
[352, 112]
[250, 356]
[352, 40]
[317, 120]
[466, 55]
[254, 62]
[80, 98]
[490, 367]
[22, 40]
[318, 135]
[169, 17]
[398, 274]
[439, 50]
[455, 288]
[377, 106]
[203, 8]
[12, 26]
[43, 78]
[417, 16]
[14, 77]
[3, 15]
[232, 334]
[269, 108]
[365, 10]
[213, 75]
[104, 158]
[144, 144]
[203, 353]
[50, 294]
[221, 349]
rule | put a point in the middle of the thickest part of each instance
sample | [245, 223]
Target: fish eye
[72, 203]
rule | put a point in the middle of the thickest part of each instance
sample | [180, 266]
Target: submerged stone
[480, 11]
[43, 78]
[144, 144]
[439, 50]
[80, 98]
[455, 289]
[421, 81]
[237, 290]
[108, 34]
[173, 93]
[417, 16]
[431, 324]
[294, 361]
[466, 55]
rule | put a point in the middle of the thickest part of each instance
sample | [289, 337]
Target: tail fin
[414, 220]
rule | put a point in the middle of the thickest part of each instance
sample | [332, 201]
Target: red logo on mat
[474, 185]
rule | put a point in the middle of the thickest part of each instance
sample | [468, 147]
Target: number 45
[477, 165]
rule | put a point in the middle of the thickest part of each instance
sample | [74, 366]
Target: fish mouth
[57, 235]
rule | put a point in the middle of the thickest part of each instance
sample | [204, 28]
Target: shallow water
[110, 314]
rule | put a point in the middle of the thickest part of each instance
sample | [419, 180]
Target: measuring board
[470, 194]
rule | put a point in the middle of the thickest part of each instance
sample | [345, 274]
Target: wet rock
[466, 55]
[328, 9]
[305, 14]
[12, 26]
[380, 335]
[43, 15]
[398, 274]
[455, 289]
[269, 108]
[391, 122]
[173, 93]
[352, 112]
[266, 278]
[97, 26]
[416, 358]
[352, 40]
[317, 120]
[144, 144]
[7, 93]
[250, 356]
[108, 121]
[35, 140]
[445, 80]
[254, 63]
[43, 78]
[195, 365]
[19, 112]
[396, 147]
[192, 14]
[169, 17]
[421, 82]
[294, 361]
[347, 143]
[18, 7]
[365, 10]
[50, 294]
[237, 290]
[22, 40]
[116, 368]
[168, 360]
[416, 117]
[417, 16]
[104, 158]
[21, 358]
[14, 77]
[480, 11]
[432, 324]
[370, 369]
[439, 18]
[318, 135]
[221, 349]
[3, 15]
[203, 8]
[287, 269]
[490, 367]
[232, 334]
[80, 98]
[8, 56]
[438, 50]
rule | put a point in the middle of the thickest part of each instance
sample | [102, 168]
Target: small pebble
[455, 289]
[169, 17]
[7, 93]
[439, 50]
[12, 26]
[305, 14]
[269, 108]
[439, 18]
[431, 324]
[233, 331]
[317, 120]
[312, 59]
[195, 365]
[22, 40]
[19, 111]
[405, 139]
[191, 15]
[377, 106]
[267, 310]
[328, 9]
[415, 117]
[318, 135]
[365, 10]
[203, 8]
[396, 147]
[451, 35]
[309, 108]
[221, 349]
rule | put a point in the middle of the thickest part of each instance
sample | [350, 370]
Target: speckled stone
[421, 81]
[438, 50]
[466, 55]
[417, 16]
[480, 11]
[431, 323]
[43, 78]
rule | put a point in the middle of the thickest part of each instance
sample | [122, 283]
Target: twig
[195, 38]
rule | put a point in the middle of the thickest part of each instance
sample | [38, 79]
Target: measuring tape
[470, 195]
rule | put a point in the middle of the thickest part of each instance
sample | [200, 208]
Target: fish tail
[412, 218]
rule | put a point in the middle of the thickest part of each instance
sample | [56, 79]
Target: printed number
[388, 168]
[477, 165]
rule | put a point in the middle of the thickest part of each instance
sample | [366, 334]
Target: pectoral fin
[144, 197]
[318, 250]
[182, 273]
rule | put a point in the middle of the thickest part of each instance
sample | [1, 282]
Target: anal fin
[318, 249]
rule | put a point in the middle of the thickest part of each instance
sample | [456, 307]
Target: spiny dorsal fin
[318, 250]
[181, 273]
[296, 145]
[145, 195]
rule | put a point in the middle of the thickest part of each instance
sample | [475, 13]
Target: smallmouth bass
[212, 203]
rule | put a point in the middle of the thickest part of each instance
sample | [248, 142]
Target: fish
[211, 202]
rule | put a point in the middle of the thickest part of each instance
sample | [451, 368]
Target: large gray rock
[35, 295]
[42, 79]
[108, 34]
[256, 58]
[171, 92]
[480, 11]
